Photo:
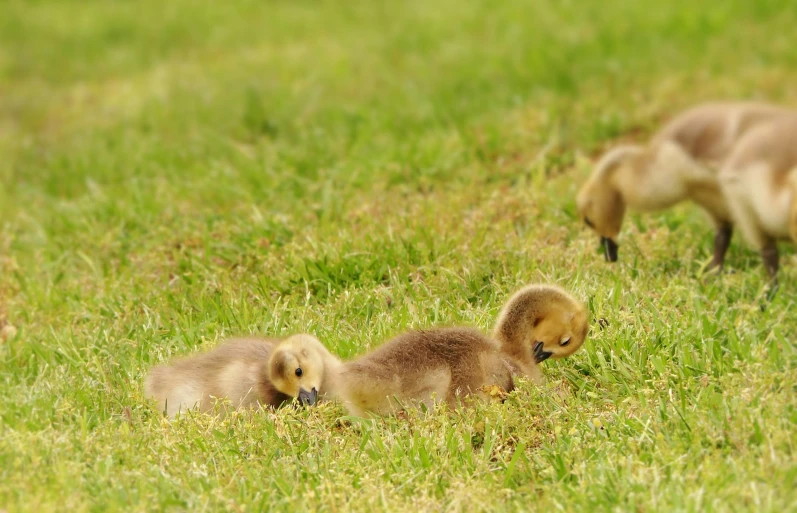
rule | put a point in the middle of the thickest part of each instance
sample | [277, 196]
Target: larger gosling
[239, 370]
[760, 182]
[450, 364]
[680, 162]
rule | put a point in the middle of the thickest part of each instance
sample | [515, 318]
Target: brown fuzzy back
[775, 144]
[709, 132]
[469, 357]
[426, 348]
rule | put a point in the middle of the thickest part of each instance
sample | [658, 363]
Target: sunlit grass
[175, 173]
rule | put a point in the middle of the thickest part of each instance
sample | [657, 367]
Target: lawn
[174, 173]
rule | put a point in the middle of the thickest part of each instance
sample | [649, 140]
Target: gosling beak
[539, 354]
[609, 248]
[308, 398]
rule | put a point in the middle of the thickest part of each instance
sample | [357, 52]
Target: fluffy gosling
[451, 364]
[239, 370]
[680, 162]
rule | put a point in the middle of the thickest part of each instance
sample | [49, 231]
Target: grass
[173, 173]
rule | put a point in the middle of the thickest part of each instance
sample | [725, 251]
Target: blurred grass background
[172, 173]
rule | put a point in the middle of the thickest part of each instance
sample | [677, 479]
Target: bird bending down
[680, 162]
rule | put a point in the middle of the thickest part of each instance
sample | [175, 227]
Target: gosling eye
[564, 341]
[299, 372]
[589, 223]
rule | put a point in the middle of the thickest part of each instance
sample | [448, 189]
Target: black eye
[564, 342]
[588, 222]
[299, 372]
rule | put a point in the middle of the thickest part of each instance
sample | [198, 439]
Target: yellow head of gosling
[599, 202]
[560, 334]
[542, 321]
[296, 367]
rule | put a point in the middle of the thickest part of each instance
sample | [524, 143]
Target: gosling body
[681, 162]
[428, 366]
[760, 182]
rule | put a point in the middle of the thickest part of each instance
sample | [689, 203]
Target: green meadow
[174, 173]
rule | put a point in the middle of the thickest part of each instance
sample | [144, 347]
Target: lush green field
[172, 173]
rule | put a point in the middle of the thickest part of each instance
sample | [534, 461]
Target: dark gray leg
[722, 239]
[769, 254]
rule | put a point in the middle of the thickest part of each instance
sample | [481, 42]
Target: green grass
[172, 173]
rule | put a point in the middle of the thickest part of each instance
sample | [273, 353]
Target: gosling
[760, 182]
[680, 162]
[241, 371]
[452, 364]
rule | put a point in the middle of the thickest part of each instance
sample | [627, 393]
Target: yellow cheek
[285, 387]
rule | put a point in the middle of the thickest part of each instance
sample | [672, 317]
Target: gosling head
[559, 334]
[599, 202]
[543, 321]
[296, 367]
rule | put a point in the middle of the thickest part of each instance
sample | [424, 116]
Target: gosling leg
[722, 239]
[771, 258]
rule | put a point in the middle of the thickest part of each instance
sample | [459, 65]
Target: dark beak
[539, 354]
[308, 398]
[609, 249]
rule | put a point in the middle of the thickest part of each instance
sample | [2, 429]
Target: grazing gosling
[450, 364]
[239, 370]
[680, 162]
[540, 322]
[759, 181]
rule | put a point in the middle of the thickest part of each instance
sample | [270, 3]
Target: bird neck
[633, 186]
[521, 362]
[660, 177]
[332, 375]
[517, 349]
